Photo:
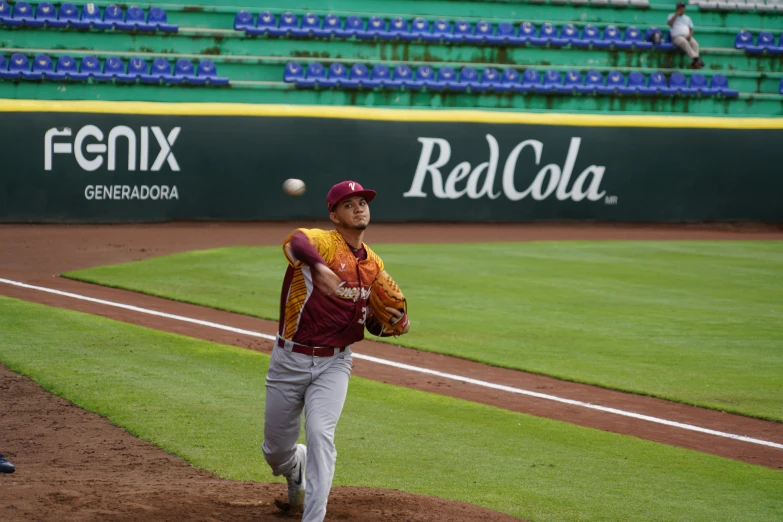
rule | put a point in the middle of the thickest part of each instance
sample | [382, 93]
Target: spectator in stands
[682, 35]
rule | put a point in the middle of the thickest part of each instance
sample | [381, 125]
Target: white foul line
[408, 367]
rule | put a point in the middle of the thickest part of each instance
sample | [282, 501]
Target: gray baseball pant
[689, 47]
[319, 384]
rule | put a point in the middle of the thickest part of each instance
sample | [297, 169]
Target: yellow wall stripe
[370, 113]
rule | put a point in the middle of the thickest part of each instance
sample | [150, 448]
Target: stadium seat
[743, 40]
[43, 69]
[425, 76]
[530, 78]
[243, 21]
[357, 76]
[183, 72]
[310, 25]
[293, 72]
[589, 36]
[490, 79]
[614, 82]
[3, 66]
[89, 16]
[67, 66]
[593, 80]
[545, 34]
[482, 31]
[113, 67]
[527, 31]
[134, 20]
[320, 28]
[461, 30]
[113, 17]
[568, 33]
[288, 23]
[634, 84]
[551, 80]
[764, 43]
[447, 79]
[420, 28]
[380, 76]
[136, 68]
[266, 21]
[404, 75]
[505, 34]
[720, 85]
[89, 67]
[375, 26]
[5, 13]
[698, 82]
[614, 37]
[656, 84]
[207, 70]
[634, 36]
[22, 14]
[16, 66]
[666, 44]
[67, 14]
[334, 76]
[46, 14]
[397, 28]
[442, 30]
[332, 24]
[160, 70]
[509, 80]
[678, 84]
[571, 82]
[780, 88]
[353, 27]
[158, 19]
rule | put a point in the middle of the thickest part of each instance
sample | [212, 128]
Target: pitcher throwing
[334, 288]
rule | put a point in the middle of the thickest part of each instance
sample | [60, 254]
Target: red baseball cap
[347, 189]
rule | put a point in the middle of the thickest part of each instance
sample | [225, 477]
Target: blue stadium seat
[408, 34]
[89, 15]
[333, 24]
[3, 66]
[113, 67]
[375, 26]
[589, 36]
[509, 81]
[657, 84]
[634, 84]
[462, 29]
[527, 31]
[67, 66]
[113, 16]
[16, 66]
[490, 79]
[134, 20]
[699, 83]
[336, 74]
[614, 81]
[551, 80]
[570, 84]
[43, 69]
[780, 88]
[420, 28]
[89, 67]
[743, 40]
[357, 76]
[321, 29]
[266, 21]
[288, 23]
[365, 76]
[160, 70]
[601, 42]
[5, 13]
[469, 78]
[505, 34]
[293, 72]
[137, 67]
[593, 80]
[764, 43]
[678, 84]
[447, 79]
[441, 30]
[613, 37]
[353, 27]
[46, 14]
[158, 19]
[243, 21]
[530, 78]
[208, 71]
[22, 15]
[546, 32]
[568, 33]
[67, 14]
[404, 75]
[720, 85]
[397, 28]
[667, 44]
[634, 36]
[311, 24]
[425, 76]
[481, 32]
[381, 76]
[183, 72]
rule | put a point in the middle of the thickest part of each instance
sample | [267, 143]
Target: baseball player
[323, 310]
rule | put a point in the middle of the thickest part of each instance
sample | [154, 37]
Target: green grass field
[696, 322]
[205, 402]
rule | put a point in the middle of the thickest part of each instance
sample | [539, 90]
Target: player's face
[352, 213]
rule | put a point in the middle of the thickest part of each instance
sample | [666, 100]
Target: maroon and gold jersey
[311, 318]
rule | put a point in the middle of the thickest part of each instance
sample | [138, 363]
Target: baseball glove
[384, 292]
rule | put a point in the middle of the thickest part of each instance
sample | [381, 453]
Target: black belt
[312, 351]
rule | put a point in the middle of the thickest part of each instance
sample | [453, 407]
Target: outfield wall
[112, 162]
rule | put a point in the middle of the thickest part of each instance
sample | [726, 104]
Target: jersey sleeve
[320, 239]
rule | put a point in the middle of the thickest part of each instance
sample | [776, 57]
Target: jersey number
[364, 314]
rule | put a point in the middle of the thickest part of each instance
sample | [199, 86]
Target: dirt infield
[74, 465]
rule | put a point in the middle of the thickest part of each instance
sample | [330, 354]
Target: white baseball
[294, 187]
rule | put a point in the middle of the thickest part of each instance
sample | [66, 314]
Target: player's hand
[397, 317]
[326, 280]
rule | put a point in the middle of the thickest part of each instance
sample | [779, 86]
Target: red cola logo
[479, 181]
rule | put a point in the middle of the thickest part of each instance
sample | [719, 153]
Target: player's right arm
[301, 248]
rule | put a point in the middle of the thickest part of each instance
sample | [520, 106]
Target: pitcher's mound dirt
[73, 465]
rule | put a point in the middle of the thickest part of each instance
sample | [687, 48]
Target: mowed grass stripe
[204, 402]
[695, 322]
